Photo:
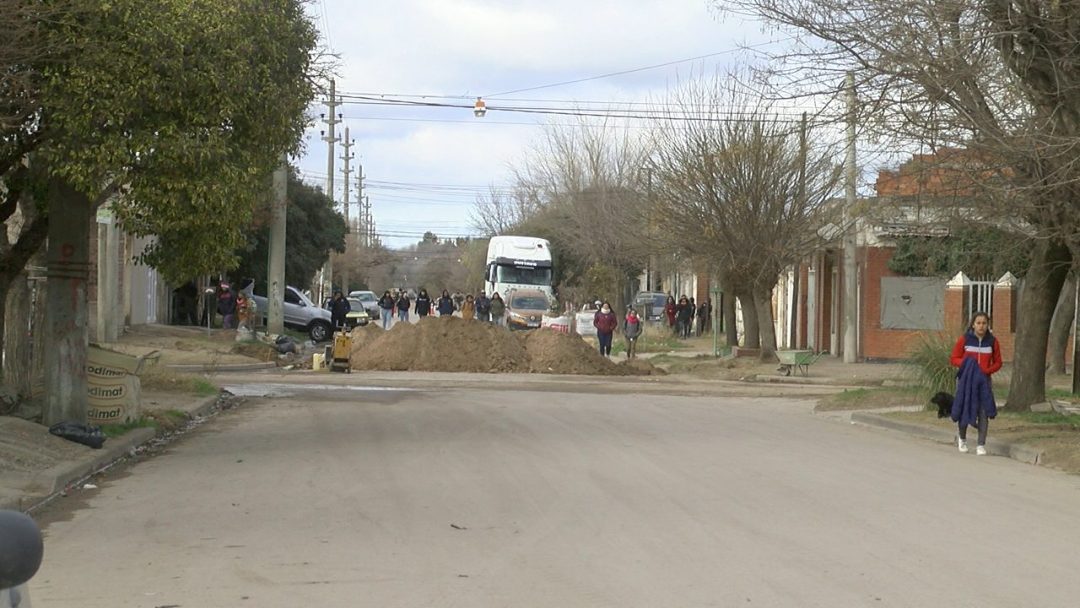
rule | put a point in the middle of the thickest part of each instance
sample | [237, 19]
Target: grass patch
[1062, 394]
[872, 398]
[159, 420]
[116, 430]
[1060, 421]
[161, 378]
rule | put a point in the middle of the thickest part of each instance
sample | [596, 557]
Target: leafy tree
[177, 110]
[975, 250]
[313, 229]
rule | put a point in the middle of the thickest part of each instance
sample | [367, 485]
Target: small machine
[339, 353]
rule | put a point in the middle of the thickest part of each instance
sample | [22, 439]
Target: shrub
[929, 363]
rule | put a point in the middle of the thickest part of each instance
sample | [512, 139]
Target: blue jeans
[403, 315]
[387, 318]
[605, 343]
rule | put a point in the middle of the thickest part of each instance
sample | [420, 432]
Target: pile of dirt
[364, 335]
[552, 352]
[641, 367]
[443, 344]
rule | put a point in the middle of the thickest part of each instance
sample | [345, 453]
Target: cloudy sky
[425, 165]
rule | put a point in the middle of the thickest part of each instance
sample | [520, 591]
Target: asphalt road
[482, 498]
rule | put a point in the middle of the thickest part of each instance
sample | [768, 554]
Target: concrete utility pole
[369, 225]
[346, 170]
[331, 118]
[275, 265]
[359, 222]
[851, 296]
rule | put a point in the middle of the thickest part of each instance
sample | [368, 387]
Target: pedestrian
[703, 312]
[693, 318]
[226, 305]
[445, 305]
[683, 317]
[423, 304]
[631, 331]
[605, 323]
[468, 308]
[459, 299]
[339, 308]
[483, 307]
[386, 306]
[498, 310]
[403, 304]
[978, 356]
[670, 308]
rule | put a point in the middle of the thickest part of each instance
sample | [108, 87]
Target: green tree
[313, 229]
[177, 111]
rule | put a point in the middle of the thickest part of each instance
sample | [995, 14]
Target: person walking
[498, 310]
[403, 304]
[423, 304]
[631, 331]
[445, 305]
[339, 308]
[386, 306]
[468, 308]
[978, 356]
[670, 309]
[483, 307]
[684, 314]
[605, 323]
[704, 315]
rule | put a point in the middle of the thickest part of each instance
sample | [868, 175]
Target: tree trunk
[763, 302]
[751, 330]
[1061, 326]
[731, 324]
[16, 332]
[1049, 266]
[66, 314]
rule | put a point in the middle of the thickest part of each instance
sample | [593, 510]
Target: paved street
[480, 498]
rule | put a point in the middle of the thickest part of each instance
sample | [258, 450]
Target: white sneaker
[960, 443]
[980, 450]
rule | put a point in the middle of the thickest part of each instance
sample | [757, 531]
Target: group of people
[606, 323]
[681, 315]
[482, 308]
[235, 305]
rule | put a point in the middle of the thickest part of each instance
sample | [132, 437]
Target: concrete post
[275, 272]
[66, 314]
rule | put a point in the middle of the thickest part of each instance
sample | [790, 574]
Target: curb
[234, 367]
[62, 476]
[1016, 451]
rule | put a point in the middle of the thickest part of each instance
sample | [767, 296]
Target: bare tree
[741, 188]
[997, 77]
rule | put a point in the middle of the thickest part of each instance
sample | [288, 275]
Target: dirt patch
[443, 344]
[552, 352]
[641, 367]
[363, 336]
[258, 350]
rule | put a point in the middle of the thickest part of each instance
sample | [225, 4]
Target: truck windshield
[524, 276]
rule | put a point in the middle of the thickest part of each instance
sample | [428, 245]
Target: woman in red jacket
[605, 323]
[669, 310]
[979, 345]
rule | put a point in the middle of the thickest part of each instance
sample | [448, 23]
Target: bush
[929, 363]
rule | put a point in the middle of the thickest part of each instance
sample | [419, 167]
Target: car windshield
[529, 303]
[655, 301]
[364, 297]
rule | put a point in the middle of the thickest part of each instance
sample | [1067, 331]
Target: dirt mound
[443, 344]
[641, 367]
[552, 352]
[364, 335]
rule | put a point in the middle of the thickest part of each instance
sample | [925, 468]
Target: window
[291, 297]
[524, 276]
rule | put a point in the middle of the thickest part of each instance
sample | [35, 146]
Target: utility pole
[850, 280]
[275, 263]
[369, 224]
[331, 119]
[793, 334]
[346, 170]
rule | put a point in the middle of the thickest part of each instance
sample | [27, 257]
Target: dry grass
[159, 377]
[872, 398]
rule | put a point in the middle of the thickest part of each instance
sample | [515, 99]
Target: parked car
[300, 314]
[525, 308]
[358, 315]
[650, 305]
[369, 300]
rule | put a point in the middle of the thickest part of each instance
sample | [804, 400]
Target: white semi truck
[518, 262]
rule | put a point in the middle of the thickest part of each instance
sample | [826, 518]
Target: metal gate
[980, 298]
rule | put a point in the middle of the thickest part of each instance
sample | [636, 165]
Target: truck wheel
[319, 331]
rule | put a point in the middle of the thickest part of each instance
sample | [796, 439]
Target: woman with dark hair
[605, 323]
[386, 304]
[978, 356]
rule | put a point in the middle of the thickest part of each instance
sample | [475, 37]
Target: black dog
[944, 404]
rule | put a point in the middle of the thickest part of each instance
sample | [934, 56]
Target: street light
[479, 108]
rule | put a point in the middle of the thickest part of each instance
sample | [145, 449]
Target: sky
[424, 166]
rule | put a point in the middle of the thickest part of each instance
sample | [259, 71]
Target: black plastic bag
[79, 433]
[285, 344]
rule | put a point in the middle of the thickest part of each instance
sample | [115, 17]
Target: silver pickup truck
[300, 314]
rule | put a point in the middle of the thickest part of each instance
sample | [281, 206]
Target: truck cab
[518, 262]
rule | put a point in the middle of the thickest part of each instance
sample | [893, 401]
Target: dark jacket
[445, 305]
[483, 305]
[423, 305]
[498, 307]
[339, 307]
[973, 392]
[386, 302]
[403, 303]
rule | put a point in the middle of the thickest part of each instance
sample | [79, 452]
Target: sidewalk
[34, 465]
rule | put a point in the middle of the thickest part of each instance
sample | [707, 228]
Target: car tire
[319, 331]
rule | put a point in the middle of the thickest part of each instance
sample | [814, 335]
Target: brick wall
[878, 343]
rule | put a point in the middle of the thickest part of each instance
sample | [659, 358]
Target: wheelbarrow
[798, 360]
